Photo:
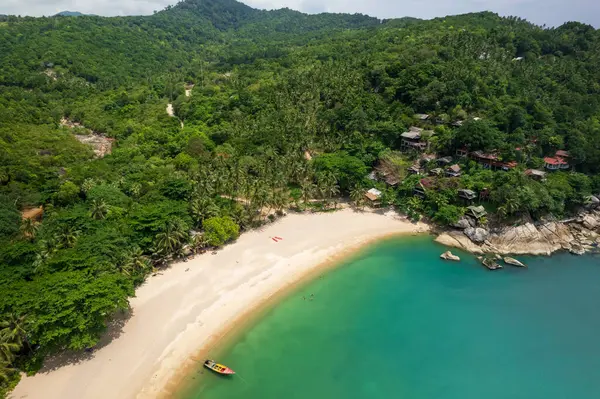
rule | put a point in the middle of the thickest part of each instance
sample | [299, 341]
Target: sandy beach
[189, 306]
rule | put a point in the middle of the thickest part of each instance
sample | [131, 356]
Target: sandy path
[170, 110]
[176, 313]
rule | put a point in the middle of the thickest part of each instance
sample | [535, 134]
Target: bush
[9, 218]
[109, 194]
[67, 194]
[219, 230]
[448, 214]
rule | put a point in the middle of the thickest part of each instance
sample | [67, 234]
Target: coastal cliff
[578, 235]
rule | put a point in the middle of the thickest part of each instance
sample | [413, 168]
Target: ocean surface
[395, 321]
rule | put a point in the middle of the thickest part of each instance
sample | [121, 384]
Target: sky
[549, 12]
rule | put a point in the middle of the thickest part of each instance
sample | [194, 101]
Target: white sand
[178, 313]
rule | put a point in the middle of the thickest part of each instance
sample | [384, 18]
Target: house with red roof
[560, 161]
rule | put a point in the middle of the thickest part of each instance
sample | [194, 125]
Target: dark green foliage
[9, 218]
[67, 309]
[348, 170]
[219, 230]
[477, 135]
[110, 194]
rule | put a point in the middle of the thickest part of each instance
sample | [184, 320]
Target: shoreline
[578, 236]
[197, 306]
[233, 330]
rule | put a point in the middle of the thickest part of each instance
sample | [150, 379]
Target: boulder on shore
[464, 223]
[577, 249]
[512, 261]
[590, 222]
[477, 234]
[449, 256]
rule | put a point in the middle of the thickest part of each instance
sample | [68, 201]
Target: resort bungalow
[558, 162]
[392, 180]
[476, 211]
[536, 174]
[453, 171]
[426, 158]
[492, 161]
[436, 172]
[462, 152]
[373, 195]
[468, 195]
[444, 160]
[414, 169]
[411, 140]
[422, 117]
[420, 188]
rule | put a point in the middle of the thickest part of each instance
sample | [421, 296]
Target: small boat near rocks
[490, 263]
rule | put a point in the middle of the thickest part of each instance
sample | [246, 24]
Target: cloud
[550, 12]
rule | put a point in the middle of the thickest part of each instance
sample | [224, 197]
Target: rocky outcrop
[590, 222]
[449, 256]
[578, 235]
[513, 262]
[477, 234]
[464, 223]
[101, 144]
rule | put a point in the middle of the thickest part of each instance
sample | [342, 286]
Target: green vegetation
[269, 88]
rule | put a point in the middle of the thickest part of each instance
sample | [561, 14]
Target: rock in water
[477, 234]
[449, 256]
[577, 249]
[513, 261]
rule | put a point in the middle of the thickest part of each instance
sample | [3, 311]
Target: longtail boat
[491, 264]
[218, 368]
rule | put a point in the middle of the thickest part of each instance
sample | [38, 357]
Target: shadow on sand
[70, 357]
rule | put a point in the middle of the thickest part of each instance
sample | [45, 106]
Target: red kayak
[218, 368]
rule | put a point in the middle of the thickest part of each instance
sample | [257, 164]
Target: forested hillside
[282, 110]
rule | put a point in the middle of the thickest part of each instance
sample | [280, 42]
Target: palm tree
[281, 199]
[415, 203]
[199, 242]
[308, 189]
[5, 371]
[171, 238]
[68, 236]
[513, 205]
[12, 330]
[46, 249]
[203, 208]
[87, 185]
[333, 192]
[261, 196]
[29, 228]
[502, 211]
[98, 209]
[357, 195]
[8, 351]
[322, 186]
[136, 262]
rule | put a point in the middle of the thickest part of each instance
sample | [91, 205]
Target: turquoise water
[397, 322]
